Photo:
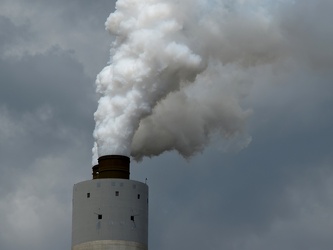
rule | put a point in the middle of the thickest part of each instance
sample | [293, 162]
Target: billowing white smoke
[177, 75]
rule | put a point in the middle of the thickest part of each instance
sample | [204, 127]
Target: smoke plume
[179, 71]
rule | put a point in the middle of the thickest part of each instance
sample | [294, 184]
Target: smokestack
[110, 211]
[112, 166]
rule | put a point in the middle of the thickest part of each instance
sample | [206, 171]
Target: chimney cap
[112, 166]
[105, 157]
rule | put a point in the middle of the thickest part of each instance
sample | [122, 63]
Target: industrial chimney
[110, 212]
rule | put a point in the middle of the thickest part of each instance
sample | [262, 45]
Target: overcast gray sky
[274, 194]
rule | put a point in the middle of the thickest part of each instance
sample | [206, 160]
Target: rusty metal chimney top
[112, 166]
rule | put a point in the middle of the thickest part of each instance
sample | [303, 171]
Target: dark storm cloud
[46, 107]
[11, 33]
[306, 26]
[42, 80]
[45, 93]
[73, 13]
[71, 25]
[46, 112]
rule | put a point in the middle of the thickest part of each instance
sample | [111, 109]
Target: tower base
[110, 214]
[110, 245]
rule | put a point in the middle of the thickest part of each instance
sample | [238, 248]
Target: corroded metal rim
[112, 166]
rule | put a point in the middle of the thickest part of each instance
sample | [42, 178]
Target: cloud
[74, 25]
[46, 107]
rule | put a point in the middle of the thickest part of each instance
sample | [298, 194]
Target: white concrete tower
[110, 212]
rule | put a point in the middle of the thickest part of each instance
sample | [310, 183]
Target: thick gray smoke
[179, 71]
